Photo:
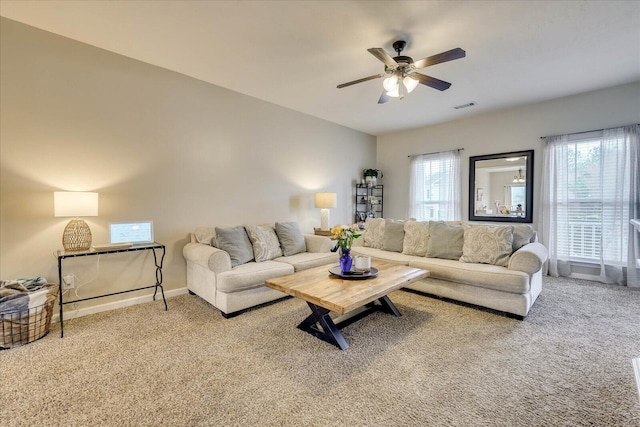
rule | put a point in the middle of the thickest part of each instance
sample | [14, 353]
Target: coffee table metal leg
[329, 333]
[388, 307]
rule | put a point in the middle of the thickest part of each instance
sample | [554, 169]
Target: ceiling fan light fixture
[410, 83]
[400, 77]
[395, 93]
[390, 83]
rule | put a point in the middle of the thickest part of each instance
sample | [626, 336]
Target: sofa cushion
[522, 235]
[416, 238]
[481, 275]
[236, 243]
[265, 242]
[379, 254]
[374, 232]
[487, 245]
[306, 260]
[291, 238]
[445, 240]
[251, 275]
[393, 235]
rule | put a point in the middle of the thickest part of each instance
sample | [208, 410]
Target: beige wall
[155, 145]
[514, 129]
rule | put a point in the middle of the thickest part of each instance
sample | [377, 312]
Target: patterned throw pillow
[265, 242]
[416, 238]
[487, 245]
[374, 232]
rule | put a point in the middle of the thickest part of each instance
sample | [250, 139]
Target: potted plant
[371, 176]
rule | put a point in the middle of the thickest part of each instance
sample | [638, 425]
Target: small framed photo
[479, 194]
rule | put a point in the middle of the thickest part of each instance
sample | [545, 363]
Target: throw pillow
[522, 234]
[265, 242]
[205, 235]
[291, 238]
[416, 238]
[235, 242]
[374, 232]
[445, 241]
[487, 245]
[393, 235]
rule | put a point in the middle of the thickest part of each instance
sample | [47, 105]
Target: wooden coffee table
[350, 299]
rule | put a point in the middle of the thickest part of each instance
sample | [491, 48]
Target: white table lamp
[77, 234]
[325, 201]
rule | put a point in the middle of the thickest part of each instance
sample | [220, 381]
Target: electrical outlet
[68, 282]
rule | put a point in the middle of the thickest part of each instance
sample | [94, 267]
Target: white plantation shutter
[589, 194]
[434, 189]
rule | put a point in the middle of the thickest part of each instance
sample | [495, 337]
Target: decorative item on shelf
[371, 176]
[325, 201]
[344, 235]
[77, 234]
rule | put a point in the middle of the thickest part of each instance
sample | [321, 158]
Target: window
[588, 198]
[518, 197]
[435, 187]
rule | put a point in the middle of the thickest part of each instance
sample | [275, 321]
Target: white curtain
[585, 219]
[434, 187]
[507, 197]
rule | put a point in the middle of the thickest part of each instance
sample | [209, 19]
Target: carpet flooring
[440, 364]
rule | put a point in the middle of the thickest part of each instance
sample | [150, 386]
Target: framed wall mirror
[501, 187]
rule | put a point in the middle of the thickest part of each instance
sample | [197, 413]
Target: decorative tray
[354, 275]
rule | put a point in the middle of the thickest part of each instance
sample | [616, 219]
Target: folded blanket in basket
[22, 301]
[16, 296]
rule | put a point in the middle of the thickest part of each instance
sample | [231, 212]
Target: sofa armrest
[529, 258]
[317, 243]
[207, 256]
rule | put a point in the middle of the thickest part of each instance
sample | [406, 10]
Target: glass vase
[345, 260]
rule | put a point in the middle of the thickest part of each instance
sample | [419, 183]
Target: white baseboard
[73, 314]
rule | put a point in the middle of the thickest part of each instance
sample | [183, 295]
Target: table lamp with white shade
[77, 234]
[325, 201]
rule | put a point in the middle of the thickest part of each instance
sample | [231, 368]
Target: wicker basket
[24, 326]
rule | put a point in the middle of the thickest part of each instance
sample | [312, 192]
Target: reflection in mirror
[501, 187]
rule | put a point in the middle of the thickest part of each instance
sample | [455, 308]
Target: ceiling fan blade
[431, 81]
[449, 55]
[364, 79]
[383, 98]
[383, 56]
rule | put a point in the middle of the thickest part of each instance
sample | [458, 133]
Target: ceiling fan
[401, 71]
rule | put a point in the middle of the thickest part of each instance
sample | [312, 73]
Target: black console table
[62, 255]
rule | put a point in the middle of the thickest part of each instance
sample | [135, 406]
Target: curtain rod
[586, 131]
[436, 152]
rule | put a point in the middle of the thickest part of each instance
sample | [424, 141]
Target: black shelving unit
[369, 202]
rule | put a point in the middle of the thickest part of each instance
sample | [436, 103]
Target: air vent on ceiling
[471, 104]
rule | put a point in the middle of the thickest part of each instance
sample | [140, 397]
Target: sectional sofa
[227, 266]
[498, 267]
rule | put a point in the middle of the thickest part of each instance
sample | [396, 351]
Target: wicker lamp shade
[76, 236]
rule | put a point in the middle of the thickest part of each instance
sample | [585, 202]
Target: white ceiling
[294, 53]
